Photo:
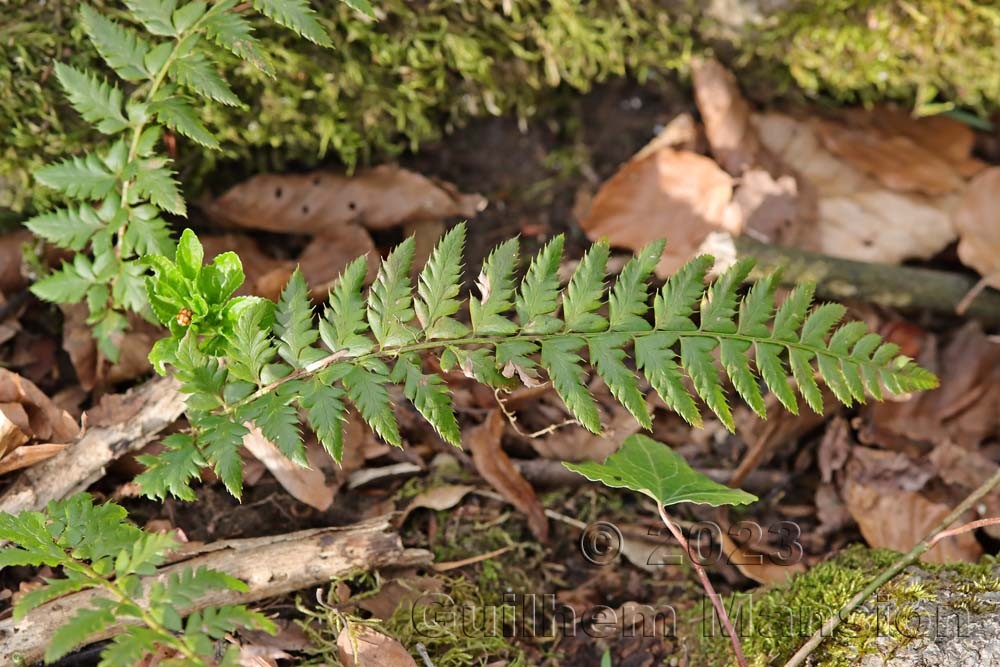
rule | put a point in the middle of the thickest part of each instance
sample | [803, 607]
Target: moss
[777, 621]
[427, 66]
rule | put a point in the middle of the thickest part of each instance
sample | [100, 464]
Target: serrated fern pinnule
[278, 364]
[167, 55]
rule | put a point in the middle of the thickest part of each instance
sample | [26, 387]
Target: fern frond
[297, 16]
[700, 335]
[97, 101]
[121, 47]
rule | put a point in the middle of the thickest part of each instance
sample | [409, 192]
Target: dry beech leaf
[896, 161]
[307, 485]
[405, 589]
[11, 260]
[320, 202]
[496, 468]
[977, 222]
[29, 455]
[726, 116]
[575, 443]
[362, 646]
[439, 498]
[92, 369]
[33, 412]
[667, 193]
[857, 217]
[755, 565]
[326, 257]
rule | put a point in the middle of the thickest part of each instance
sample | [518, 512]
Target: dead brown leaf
[321, 202]
[11, 259]
[362, 646]
[857, 217]
[29, 455]
[93, 369]
[306, 484]
[496, 468]
[669, 193]
[33, 412]
[726, 115]
[439, 498]
[403, 590]
[978, 225]
[896, 161]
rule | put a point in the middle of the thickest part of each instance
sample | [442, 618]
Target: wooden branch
[144, 412]
[270, 565]
[904, 288]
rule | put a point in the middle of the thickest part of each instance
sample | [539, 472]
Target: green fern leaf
[294, 324]
[79, 628]
[757, 308]
[390, 306]
[438, 287]
[156, 182]
[585, 292]
[129, 648]
[78, 177]
[53, 588]
[362, 6]
[772, 369]
[297, 16]
[792, 313]
[147, 233]
[67, 285]
[250, 347]
[628, 302]
[429, 395]
[559, 358]
[365, 385]
[677, 300]
[222, 439]
[234, 33]
[834, 378]
[718, 310]
[325, 411]
[655, 358]
[183, 588]
[607, 357]
[99, 102]
[496, 291]
[733, 355]
[802, 370]
[121, 48]
[514, 358]
[696, 356]
[178, 115]
[819, 323]
[538, 298]
[171, 471]
[274, 414]
[70, 228]
[196, 73]
[344, 326]
[155, 15]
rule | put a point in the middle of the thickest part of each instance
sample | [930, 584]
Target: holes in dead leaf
[351, 205]
[305, 209]
[316, 180]
[278, 192]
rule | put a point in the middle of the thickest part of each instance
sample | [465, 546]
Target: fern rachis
[365, 343]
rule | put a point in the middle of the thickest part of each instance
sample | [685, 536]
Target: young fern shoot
[99, 550]
[117, 196]
[247, 360]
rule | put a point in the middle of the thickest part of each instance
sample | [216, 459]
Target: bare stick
[720, 609]
[270, 565]
[898, 566]
[964, 528]
[147, 410]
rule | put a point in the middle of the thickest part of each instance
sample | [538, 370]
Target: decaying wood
[905, 288]
[270, 565]
[143, 412]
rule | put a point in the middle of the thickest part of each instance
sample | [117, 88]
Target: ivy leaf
[99, 102]
[297, 16]
[652, 468]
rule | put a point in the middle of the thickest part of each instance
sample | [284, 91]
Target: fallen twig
[156, 404]
[898, 566]
[270, 565]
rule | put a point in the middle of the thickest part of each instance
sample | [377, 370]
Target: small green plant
[246, 360]
[96, 548]
[118, 197]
